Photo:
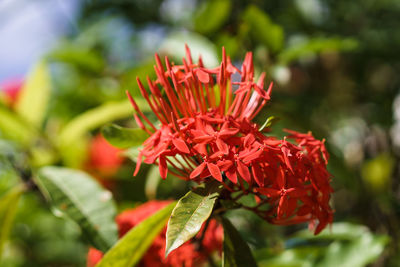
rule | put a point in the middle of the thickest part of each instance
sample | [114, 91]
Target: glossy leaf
[123, 137]
[236, 252]
[8, 208]
[34, 95]
[75, 194]
[129, 250]
[190, 213]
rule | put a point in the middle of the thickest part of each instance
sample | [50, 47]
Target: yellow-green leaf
[124, 137]
[8, 208]
[34, 95]
[129, 250]
[190, 213]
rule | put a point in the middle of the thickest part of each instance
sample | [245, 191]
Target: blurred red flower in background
[103, 157]
[11, 89]
[207, 132]
[188, 255]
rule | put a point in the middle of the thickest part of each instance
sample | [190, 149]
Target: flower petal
[215, 171]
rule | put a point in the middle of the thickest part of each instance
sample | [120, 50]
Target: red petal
[203, 76]
[232, 176]
[222, 146]
[163, 167]
[138, 163]
[215, 171]
[281, 178]
[269, 192]
[282, 207]
[243, 171]
[199, 169]
[181, 145]
[203, 139]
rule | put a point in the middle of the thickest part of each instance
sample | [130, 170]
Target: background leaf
[124, 137]
[12, 127]
[34, 95]
[130, 249]
[212, 15]
[75, 194]
[8, 208]
[236, 251]
[263, 29]
[190, 213]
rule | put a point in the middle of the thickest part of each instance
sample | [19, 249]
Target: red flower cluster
[207, 131]
[186, 255]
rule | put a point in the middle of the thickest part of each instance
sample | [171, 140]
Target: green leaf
[268, 123]
[263, 29]
[339, 245]
[212, 15]
[308, 48]
[152, 180]
[8, 208]
[34, 95]
[129, 250]
[12, 127]
[78, 196]
[190, 213]
[236, 251]
[75, 131]
[123, 137]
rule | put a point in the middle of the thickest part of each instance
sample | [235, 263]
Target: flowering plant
[207, 135]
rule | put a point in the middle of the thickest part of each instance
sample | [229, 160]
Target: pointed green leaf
[268, 123]
[12, 127]
[34, 95]
[130, 249]
[263, 29]
[123, 137]
[236, 251]
[78, 196]
[212, 15]
[190, 213]
[8, 208]
[75, 131]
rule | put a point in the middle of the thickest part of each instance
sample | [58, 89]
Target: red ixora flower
[189, 254]
[207, 132]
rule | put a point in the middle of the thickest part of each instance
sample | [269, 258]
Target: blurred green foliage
[334, 64]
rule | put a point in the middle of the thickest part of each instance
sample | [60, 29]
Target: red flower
[11, 88]
[207, 132]
[186, 255]
[103, 157]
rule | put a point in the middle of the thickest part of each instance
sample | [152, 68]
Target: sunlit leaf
[75, 131]
[33, 98]
[190, 213]
[236, 252]
[129, 249]
[212, 15]
[12, 127]
[124, 137]
[76, 195]
[8, 208]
